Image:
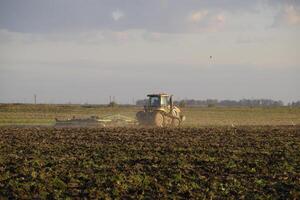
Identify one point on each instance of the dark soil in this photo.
(214, 163)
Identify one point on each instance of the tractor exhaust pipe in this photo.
(171, 103)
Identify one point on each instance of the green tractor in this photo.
(160, 112)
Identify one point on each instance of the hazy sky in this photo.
(86, 50)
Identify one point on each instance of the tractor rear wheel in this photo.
(158, 119)
(175, 122)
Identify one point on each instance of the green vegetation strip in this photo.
(41, 114)
(122, 163)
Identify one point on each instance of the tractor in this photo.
(160, 112)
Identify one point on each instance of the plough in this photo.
(95, 121)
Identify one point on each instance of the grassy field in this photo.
(20, 114)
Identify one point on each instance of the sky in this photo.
(83, 51)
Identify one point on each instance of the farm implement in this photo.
(95, 121)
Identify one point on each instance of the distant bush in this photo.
(90, 106)
(182, 104)
(210, 105)
(112, 104)
(141, 102)
(295, 104)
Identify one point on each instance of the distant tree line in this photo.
(294, 104)
(226, 103)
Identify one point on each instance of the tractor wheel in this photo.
(175, 122)
(158, 119)
(167, 121)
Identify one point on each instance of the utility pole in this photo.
(35, 99)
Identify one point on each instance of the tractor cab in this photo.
(158, 100)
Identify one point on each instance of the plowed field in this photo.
(217, 163)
